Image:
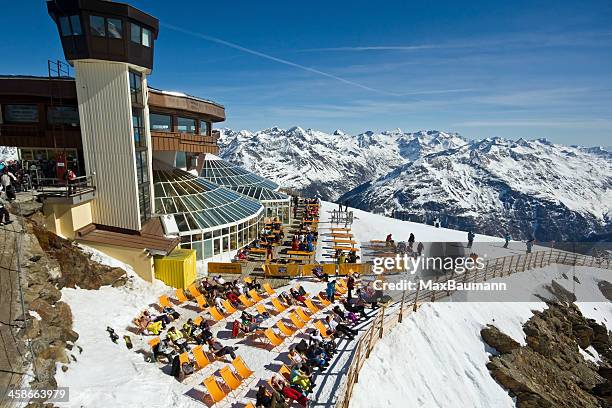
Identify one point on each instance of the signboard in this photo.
(215, 268)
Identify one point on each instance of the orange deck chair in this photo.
(278, 305)
(311, 306)
(180, 295)
(198, 320)
(214, 390)
(324, 301)
(274, 339)
(232, 381)
(164, 301)
(321, 328)
(284, 329)
(183, 358)
(255, 296)
(302, 314)
(201, 302)
(261, 308)
(241, 368)
(296, 321)
(154, 341)
(269, 289)
(193, 289)
(228, 307)
(246, 302)
(200, 357)
(216, 314)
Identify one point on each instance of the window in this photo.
(144, 202)
(146, 37)
(186, 125)
(140, 35)
(97, 26)
(21, 113)
(137, 125)
(204, 128)
(115, 28)
(136, 87)
(160, 123)
(142, 172)
(135, 33)
(70, 25)
(63, 115)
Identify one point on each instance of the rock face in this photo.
(550, 371)
(51, 263)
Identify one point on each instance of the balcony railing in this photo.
(78, 190)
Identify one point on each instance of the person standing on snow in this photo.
(507, 239)
(529, 244)
(420, 248)
(471, 236)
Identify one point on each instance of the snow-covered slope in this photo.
(552, 191)
(328, 165)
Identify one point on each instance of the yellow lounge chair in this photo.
(180, 295)
(214, 390)
(322, 329)
(216, 314)
(198, 320)
(311, 306)
(296, 321)
(230, 378)
(302, 314)
(183, 358)
(255, 296)
(200, 357)
(154, 341)
(194, 291)
(201, 302)
(228, 307)
(241, 368)
(274, 339)
(164, 301)
(243, 299)
(269, 289)
(278, 305)
(284, 329)
(261, 308)
(324, 301)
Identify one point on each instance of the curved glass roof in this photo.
(229, 175)
(196, 203)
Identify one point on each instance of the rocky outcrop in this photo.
(550, 370)
(51, 263)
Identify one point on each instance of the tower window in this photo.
(136, 87)
(70, 25)
(140, 35)
(115, 28)
(97, 26)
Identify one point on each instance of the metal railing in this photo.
(53, 187)
(494, 268)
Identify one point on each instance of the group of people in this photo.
(405, 247)
(311, 356)
(303, 242)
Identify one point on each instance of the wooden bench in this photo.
(339, 235)
(310, 221)
(345, 248)
(257, 251)
(302, 254)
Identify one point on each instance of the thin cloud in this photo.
(276, 59)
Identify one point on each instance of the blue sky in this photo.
(481, 68)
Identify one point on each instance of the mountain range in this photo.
(531, 188)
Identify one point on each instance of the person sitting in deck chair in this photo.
(276, 399)
(300, 379)
(169, 311)
(178, 339)
(248, 324)
(316, 357)
(219, 304)
(329, 346)
(353, 306)
(163, 349)
(219, 350)
(297, 295)
(155, 328)
(330, 290)
(289, 392)
(319, 274)
(352, 317)
(336, 328)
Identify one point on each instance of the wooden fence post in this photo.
(382, 323)
(485, 270)
(371, 339)
(416, 297)
(401, 311)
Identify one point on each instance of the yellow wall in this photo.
(64, 220)
(138, 259)
(178, 269)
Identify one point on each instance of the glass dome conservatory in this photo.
(226, 174)
(209, 218)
